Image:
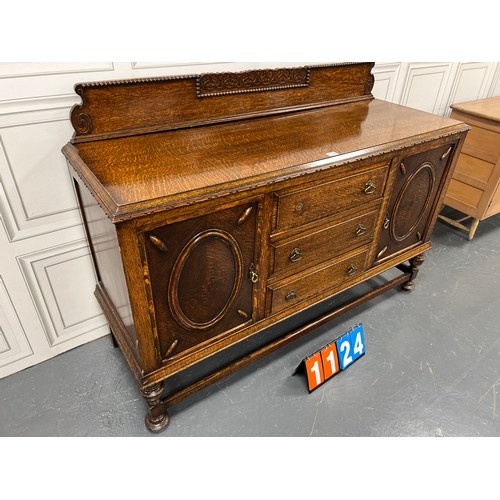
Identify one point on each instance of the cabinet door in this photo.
(201, 274)
(413, 201)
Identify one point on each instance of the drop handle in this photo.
(254, 277)
(295, 255)
(360, 229)
(291, 295)
(386, 222)
(447, 153)
(351, 269)
(370, 187)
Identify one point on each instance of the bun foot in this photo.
(415, 263)
(408, 286)
(157, 417)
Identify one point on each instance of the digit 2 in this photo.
(344, 348)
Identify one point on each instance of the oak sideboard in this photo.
(219, 205)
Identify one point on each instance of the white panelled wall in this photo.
(46, 279)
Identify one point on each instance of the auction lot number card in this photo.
(333, 357)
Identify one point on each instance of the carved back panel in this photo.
(130, 107)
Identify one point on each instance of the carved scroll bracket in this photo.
(81, 121)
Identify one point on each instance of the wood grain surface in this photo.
(153, 171)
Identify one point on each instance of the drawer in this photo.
(473, 170)
(483, 144)
(323, 244)
(292, 292)
(301, 207)
(463, 193)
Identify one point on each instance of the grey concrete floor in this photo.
(432, 368)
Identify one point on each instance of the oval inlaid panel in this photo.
(205, 279)
(412, 202)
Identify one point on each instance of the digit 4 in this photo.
(357, 340)
(350, 347)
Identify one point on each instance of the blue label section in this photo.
(357, 342)
(350, 346)
(344, 351)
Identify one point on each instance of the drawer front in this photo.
(483, 144)
(475, 171)
(323, 244)
(301, 207)
(465, 194)
(294, 291)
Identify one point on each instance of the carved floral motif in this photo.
(216, 84)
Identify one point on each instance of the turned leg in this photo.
(415, 263)
(157, 417)
(473, 227)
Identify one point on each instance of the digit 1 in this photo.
(330, 360)
(315, 369)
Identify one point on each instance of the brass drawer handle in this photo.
(370, 187)
(351, 270)
(360, 229)
(295, 255)
(386, 222)
(254, 277)
(299, 206)
(291, 295)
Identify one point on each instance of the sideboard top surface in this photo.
(143, 173)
